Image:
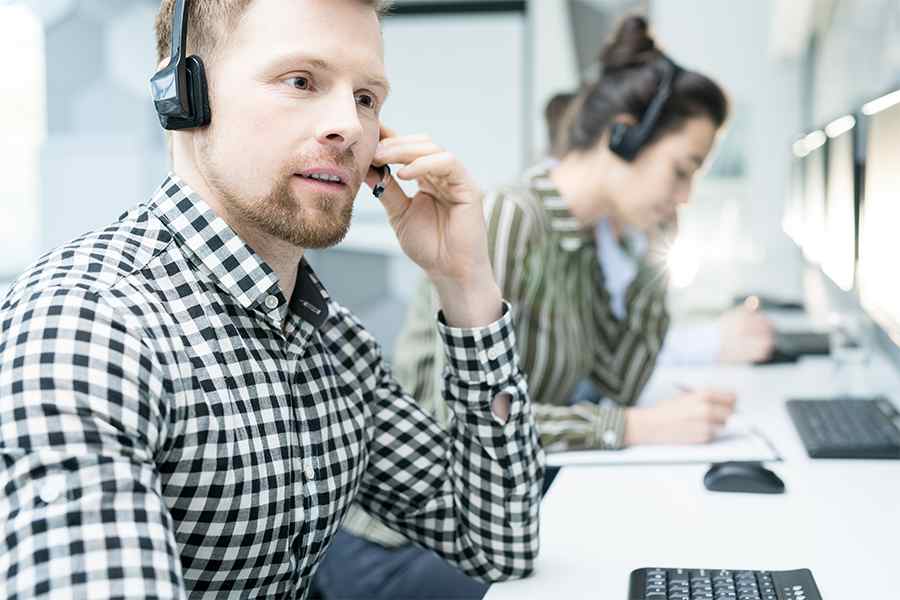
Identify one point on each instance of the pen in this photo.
(687, 389)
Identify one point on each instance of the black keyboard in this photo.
(778, 357)
(803, 343)
(716, 584)
(847, 427)
(791, 346)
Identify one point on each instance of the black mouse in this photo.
(749, 477)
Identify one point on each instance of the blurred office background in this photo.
(74, 106)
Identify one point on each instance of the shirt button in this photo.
(53, 488)
(309, 471)
(493, 353)
(271, 302)
(609, 438)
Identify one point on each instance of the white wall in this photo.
(22, 130)
(554, 67)
(460, 80)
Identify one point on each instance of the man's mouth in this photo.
(324, 179)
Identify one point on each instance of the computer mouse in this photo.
(748, 477)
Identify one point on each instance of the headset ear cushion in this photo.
(620, 140)
(199, 91)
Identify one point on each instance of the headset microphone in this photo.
(379, 188)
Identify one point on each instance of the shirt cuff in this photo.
(482, 356)
(609, 428)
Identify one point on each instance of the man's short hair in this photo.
(210, 22)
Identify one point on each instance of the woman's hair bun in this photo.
(631, 46)
(631, 71)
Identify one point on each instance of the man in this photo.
(183, 408)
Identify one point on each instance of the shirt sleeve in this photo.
(418, 360)
(515, 231)
(692, 345)
(581, 427)
(80, 421)
(470, 492)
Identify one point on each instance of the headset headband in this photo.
(628, 140)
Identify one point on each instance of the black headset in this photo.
(627, 140)
(180, 93)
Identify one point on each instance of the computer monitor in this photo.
(879, 227)
(839, 253)
(814, 197)
(792, 220)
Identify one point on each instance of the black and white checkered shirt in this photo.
(172, 425)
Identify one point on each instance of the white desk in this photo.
(841, 519)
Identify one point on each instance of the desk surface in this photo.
(837, 518)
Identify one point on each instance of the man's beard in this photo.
(314, 221)
(318, 221)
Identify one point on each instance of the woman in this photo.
(568, 329)
(740, 335)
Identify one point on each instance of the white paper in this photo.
(736, 442)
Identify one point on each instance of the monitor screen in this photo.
(814, 204)
(839, 254)
(879, 241)
(792, 221)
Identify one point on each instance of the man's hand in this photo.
(689, 418)
(442, 227)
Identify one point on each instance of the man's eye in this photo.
(366, 100)
(300, 83)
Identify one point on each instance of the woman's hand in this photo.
(747, 336)
(690, 418)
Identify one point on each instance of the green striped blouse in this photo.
(547, 266)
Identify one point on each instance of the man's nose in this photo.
(340, 126)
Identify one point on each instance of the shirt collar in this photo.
(572, 234)
(310, 300)
(619, 262)
(234, 267)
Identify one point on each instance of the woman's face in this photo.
(649, 190)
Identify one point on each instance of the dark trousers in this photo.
(357, 569)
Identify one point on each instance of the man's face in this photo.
(296, 93)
